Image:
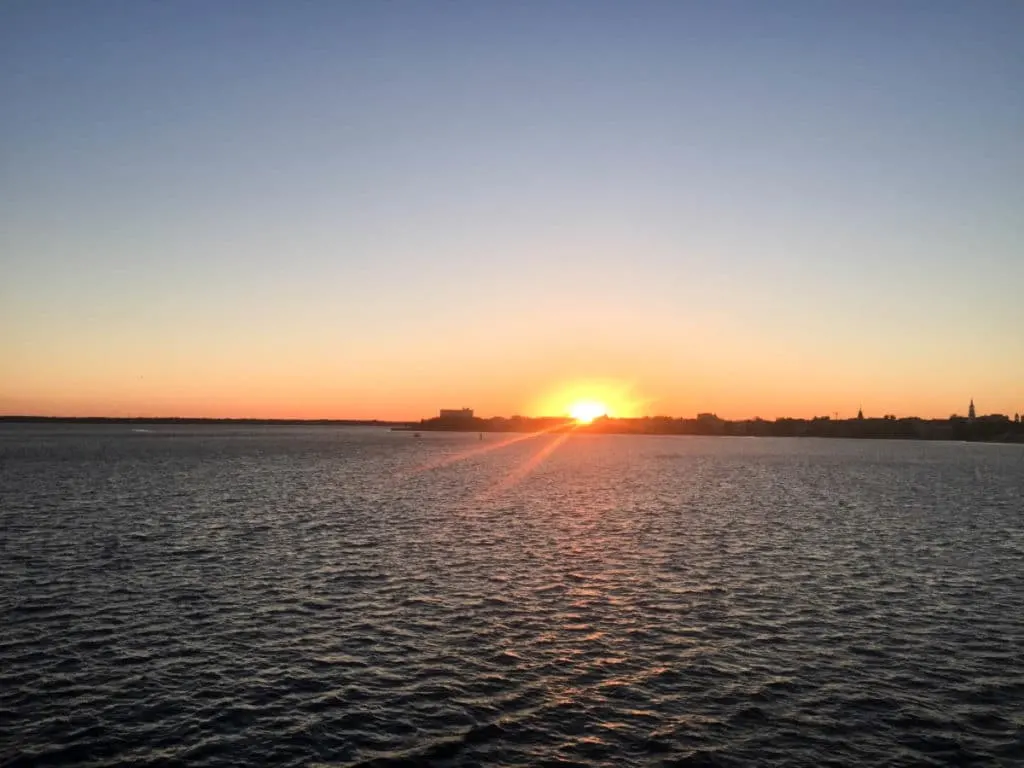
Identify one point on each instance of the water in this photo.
(291, 596)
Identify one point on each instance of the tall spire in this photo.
(970, 411)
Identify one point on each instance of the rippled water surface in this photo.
(295, 596)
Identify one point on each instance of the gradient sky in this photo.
(375, 209)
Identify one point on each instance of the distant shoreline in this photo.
(171, 420)
(986, 429)
(1002, 440)
(994, 428)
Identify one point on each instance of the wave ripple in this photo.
(216, 596)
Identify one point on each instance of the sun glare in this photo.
(586, 411)
(587, 399)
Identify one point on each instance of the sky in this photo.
(379, 209)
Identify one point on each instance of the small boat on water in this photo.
(417, 435)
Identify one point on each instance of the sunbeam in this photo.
(479, 450)
(527, 466)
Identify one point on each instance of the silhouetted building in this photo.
(860, 414)
(459, 414)
(970, 411)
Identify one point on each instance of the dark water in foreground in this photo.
(289, 596)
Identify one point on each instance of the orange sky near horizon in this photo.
(300, 355)
(308, 357)
(654, 358)
(264, 388)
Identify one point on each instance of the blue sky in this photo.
(822, 200)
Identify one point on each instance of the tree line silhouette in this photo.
(991, 428)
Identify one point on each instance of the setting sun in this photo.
(587, 399)
(586, 411)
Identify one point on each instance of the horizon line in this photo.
(377, 420)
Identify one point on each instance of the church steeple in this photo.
(970, 411)
(860, 414)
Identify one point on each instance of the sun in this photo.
(585, 411)
(586, 400)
